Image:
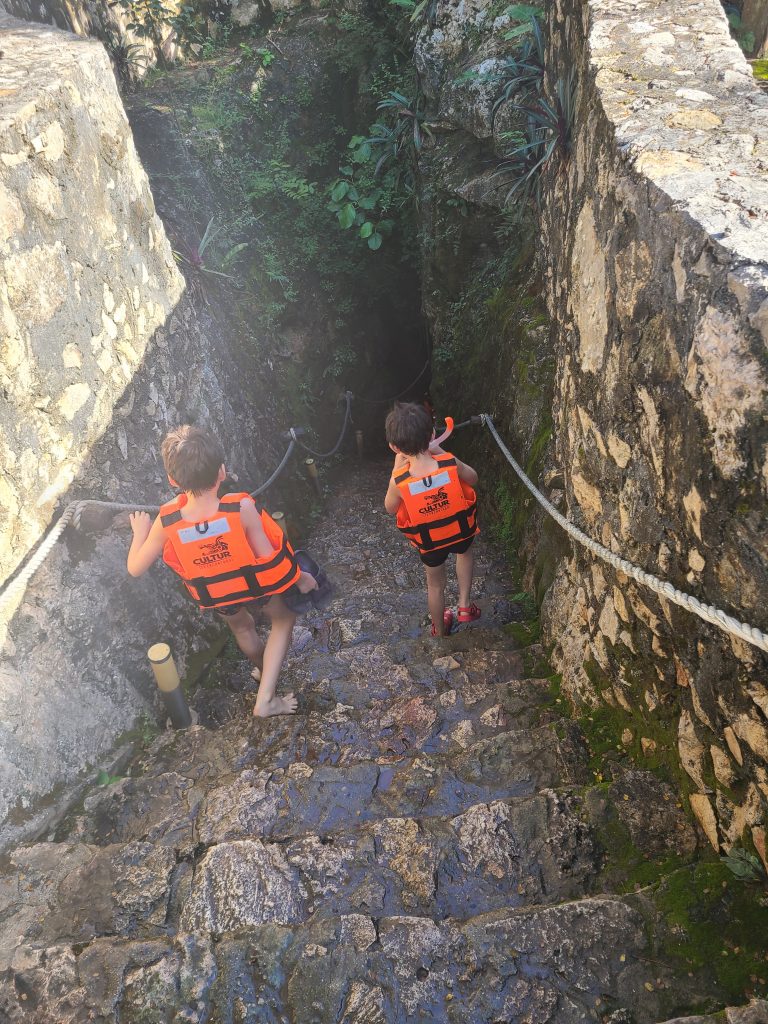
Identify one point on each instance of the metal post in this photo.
(169, 684)
(359, 439)
(314, 475)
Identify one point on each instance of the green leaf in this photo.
(368, 202)
(366, 230)
(363, 153)
(518, 30)
(340, 189)
(374, 242)
(522, 12)
(347, 215)
(102, 779)
(346, 170)
(353, 195)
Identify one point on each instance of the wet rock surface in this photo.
(420, 843)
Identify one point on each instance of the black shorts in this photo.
(436, 558)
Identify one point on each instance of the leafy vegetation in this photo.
(382, 178)
(128, 59)
(541, 144)
(743, 36)
(523, 72)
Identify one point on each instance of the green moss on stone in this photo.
(716, 924)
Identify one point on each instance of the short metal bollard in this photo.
(169, 684)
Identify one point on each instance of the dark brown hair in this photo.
(409, 428)
(192, 458)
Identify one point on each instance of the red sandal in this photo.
(470, 614)
(447, 623)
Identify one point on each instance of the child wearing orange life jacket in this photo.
(229, 554)
(432, 494)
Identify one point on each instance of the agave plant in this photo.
(128, 59)
(523, 72)
(545, 141)
(194, 255)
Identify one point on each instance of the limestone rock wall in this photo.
(656, 251)
(102, 351)
(88, 274)
(102, 20)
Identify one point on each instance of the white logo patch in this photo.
(429, 483)
(203, 531)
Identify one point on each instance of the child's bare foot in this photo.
(276, 706)
(306, 583)
(256, 673)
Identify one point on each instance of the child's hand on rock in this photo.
(306, 583)
(141, 524)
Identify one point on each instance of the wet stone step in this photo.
(582, 960)
(236, 869)
(507, 853)
(285, 802)
(182, 767)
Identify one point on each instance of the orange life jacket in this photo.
(436, 510)
(215, 560)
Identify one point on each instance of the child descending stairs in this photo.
(423, 842)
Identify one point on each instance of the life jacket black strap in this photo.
(421, 535)
(200, 586)
(171, 517)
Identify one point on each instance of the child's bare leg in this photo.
(465, 571)
(436, 595)
(248, 640)
(278, 642)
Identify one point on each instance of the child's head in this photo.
(409, 428)
(193, 459)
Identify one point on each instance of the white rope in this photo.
(708, 612)
(18, 584)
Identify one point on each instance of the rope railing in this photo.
(72, 513)
(708, 612)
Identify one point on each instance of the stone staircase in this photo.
(423, 842)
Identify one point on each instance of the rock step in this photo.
(281, 802)
(589, 959)
(229, 866)
(504, 854)
(755, 1012)
(451, 716)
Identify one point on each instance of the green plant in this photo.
(383, 175)
(195, 255)
(148, 19)
(744, 865)
(744, 37)
(524, 14)
(128, 59)
(543, 143)
(420, 12)
(523, 72)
